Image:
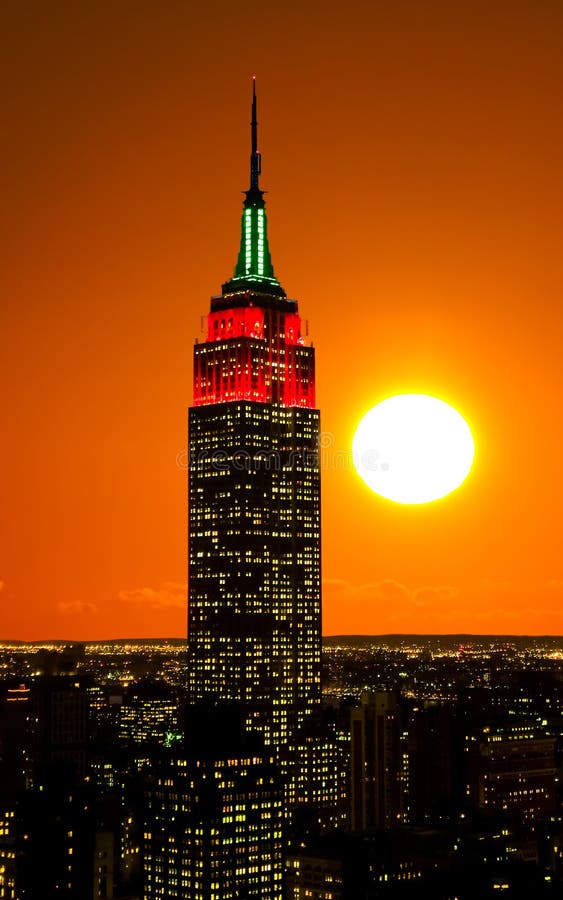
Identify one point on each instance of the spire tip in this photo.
(255, 155)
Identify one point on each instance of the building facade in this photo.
(512, 769)
(214, 821)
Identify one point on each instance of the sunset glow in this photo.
(411, 159)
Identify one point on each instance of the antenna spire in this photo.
(255, 161)
(254, 264)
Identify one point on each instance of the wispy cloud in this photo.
(484, 605)
(383, 589)
(77, 608)
(169, 594)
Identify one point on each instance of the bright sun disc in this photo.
(413, 448)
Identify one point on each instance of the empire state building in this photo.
(254, 620)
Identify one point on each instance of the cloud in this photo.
(365, 608)
(169, 594)
(478, 606)
(443, 594)
(387, 588)
(77, 608)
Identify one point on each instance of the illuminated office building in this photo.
(149, 713)
(512, 769)
(214, 818)
(322, 777)
(254, 624)
(8, 851)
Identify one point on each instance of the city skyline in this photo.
(414, 195)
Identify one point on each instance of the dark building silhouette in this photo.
(52, 812)
(432, 763)
(59, 726)
(464, 859)
(376, 793)
(14, 774)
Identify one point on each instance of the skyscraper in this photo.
(254, 622)
(376, 794)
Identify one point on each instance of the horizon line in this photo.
(339, 636)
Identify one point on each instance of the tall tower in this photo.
(254, 621)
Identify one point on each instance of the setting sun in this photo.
(413, 448)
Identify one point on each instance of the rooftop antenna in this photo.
(255, 161)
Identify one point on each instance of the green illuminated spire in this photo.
(254, 263)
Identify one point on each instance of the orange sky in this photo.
(412, 154)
